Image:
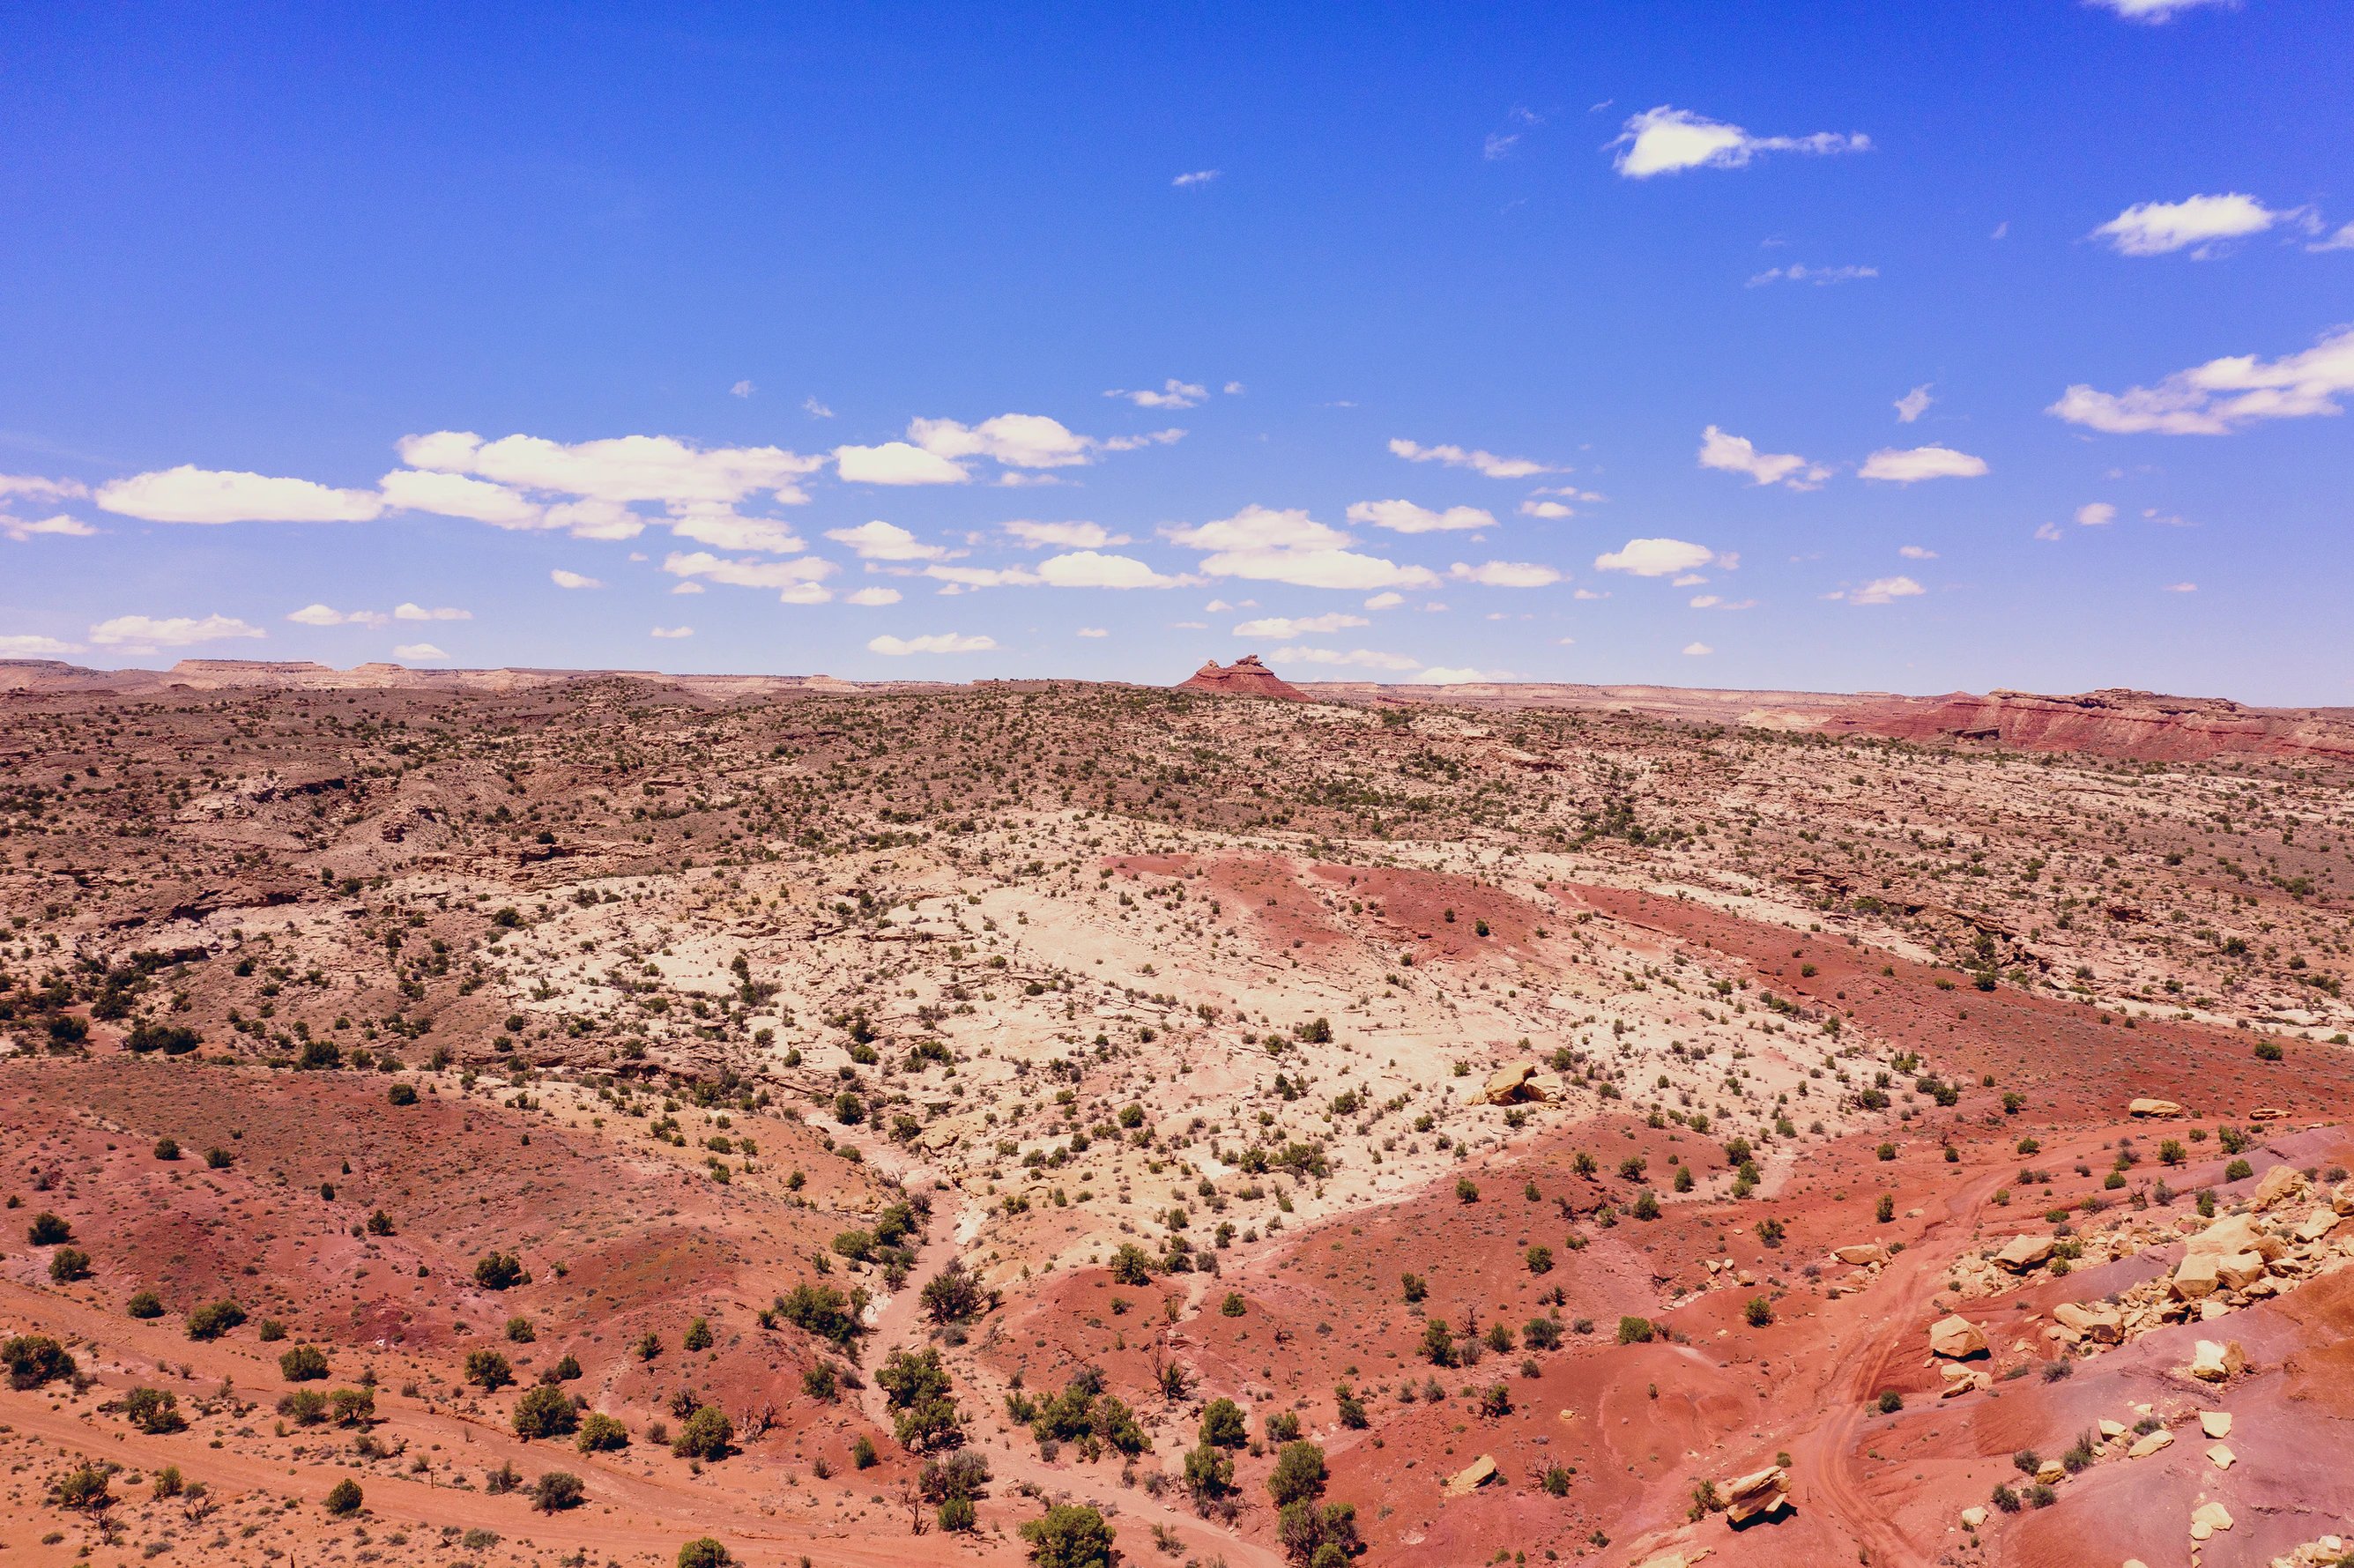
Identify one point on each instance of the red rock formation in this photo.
(1245, 677)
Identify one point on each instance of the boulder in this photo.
(2221, 1456)
(1860, 1254)
(2020, 1254)
(2194, 1278)
(2341, 1198)
(2214, 1360)
(2052, 1472)
(1472, 1477)
(1681, 1557)
(2101, 1323)
(1960, 1381)
(2316, 1225)
(2150, 1442)
(2111, 1429)
(2215, 1423)
(2159, 1108)
(2208, 1519)
(1756, 1496)
(2278, 1185)
(2268, 1113)
(1973, 1517)
(1507, 1086)
(2233, 1232)
(1957, 1338)
(2239, 1270)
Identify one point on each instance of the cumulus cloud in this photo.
(42, 489)
(1173, 394)
(2093, 513)
(798, 581)
(2182, 588)
(28, 645)
(2152, 11)
(895, 462)
(1264, 545)
(1908, 465)
(174, 631)
(2222, 395)
(1883, 590)
(1093, 632)
(1798, 272)
(931, 642)
(2200, 224)
(815, 410)
(872, 596)
(563, 579)
(1547, 509)
(1257, 528)
(1406, 517)
(1479, 461)
(1198, 177)
(742, 389)
(1698, 649)
(1385, 601)
(1917, 553)
(406, 612)
(1287, 627)
(1737, 454)
(1092, 568)
(1913, 404)
(2341, 240)
(325, 615)
(22, 529)
(459, 495)
(1357, 658)
(619, 469)
(724, 528)
(881, 541)
(419, 653)
(191, 494)
(1017, 440)
(1655, 557)
(672, 632)
(959, 578)
(1504, 573)
(1667, 140)
(1068, 535)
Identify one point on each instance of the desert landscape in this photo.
(530, 1116)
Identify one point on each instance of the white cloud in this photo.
(1545, 509)
(419, 612)
(799, 579)
(21, 530)
(1913, 404)
(176, 631)
(1655, 557)
(1906, 466)
(1385, 601)
(2093, 513)
(324, 615)
(1257, 528)
(25, 645)
(742, 389)
(2182, 588)
(1091, 568)
(1198, 177)
(881, 541)
(459, 495)
(1689, 579)
(672, 631)
(570, 579)
(1886, 590)
(2341, 240)
(721, 527)
(686, 587)
(590, 518)
(2152, 11)
(1289, 547)
(1717, 601)
(2200, 224)
(1798, 272)
(419, 653)
(1285, 626)
(1480, 462)
(1698, 649)
(1232, 389)
(1173, 394)
(1505, 574)
(895, 462)
(1406, 517)
(933, 643)
(189, 494)
(872, 596)
(1917, 553)
(1667, 139)
(1737, 454)
(2049, 533)
(621, 469)
(1018, 440)
(2219, 396)
(1356, 658)
(1068, 535)
(47, 489)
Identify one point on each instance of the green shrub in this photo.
(33, 1359)
(343, 1499)
(545, 1411)
(558, 1490)
(704, 1552)
(303, 1363)
(49, 1230)
(488, 1369)
(602, 1434)
(1069, 1535)
(705, 1435)
(69, 1264)
(145, 1304)
(215, 1318)
(153, 1410)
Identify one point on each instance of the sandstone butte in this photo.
(1245, 677)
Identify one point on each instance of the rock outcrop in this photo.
(1245, 677)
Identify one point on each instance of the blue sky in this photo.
(1834, 347)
